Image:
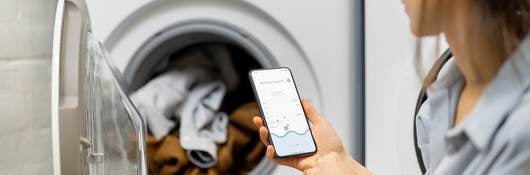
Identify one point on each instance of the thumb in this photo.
(310, 111)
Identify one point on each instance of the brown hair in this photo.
(506, 22)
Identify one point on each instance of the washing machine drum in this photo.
(171, 70)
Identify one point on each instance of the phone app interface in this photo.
(283, 112)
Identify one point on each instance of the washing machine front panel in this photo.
(238, 22)
(316, 47)
(329, 34)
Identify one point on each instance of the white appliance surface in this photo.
(392, 86)
(322, 29)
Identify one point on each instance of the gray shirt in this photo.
(495, 136)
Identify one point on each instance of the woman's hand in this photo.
(334, 163)
(329, 147)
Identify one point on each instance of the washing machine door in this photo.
(63, 109)
(95, 127)
(113, 138)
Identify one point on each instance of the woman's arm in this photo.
(330, 158)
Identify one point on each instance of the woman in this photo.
(477, 117)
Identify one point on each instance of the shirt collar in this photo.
(499, 99)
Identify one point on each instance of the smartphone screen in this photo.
(282, 111)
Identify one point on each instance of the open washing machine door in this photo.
(64, 109)
(95, 127)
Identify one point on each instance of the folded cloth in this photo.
(201, 127)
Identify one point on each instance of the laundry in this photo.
(243, 139)
(238, 155)
(214, 58)
(253, 157)
(166, 156)
(158, 100)
(230, 155)
(201, 126)
(242, 149)
(242, 116)
(241, 152)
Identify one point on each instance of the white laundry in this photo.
(190, 94)
(160, 97)
(157, 100)
(201, 125)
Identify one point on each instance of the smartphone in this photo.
(282, 112)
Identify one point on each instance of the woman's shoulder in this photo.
(510, 150)
(516, 128)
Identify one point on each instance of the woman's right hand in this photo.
(327, 142)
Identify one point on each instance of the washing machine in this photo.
(64, 109)
(316, 39)
(70, 92)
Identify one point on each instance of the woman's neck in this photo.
(476, 53)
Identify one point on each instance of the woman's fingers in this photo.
(264, 135)
(270, 152)
(257, 121)
(312, 114)
(299, 163)
(263, 132)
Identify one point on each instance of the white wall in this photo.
(392, 86)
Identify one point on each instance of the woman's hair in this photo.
(506, 22)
